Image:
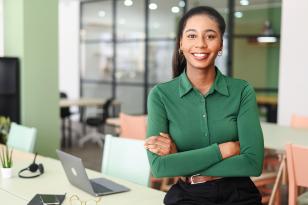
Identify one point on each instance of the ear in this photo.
(222, 44)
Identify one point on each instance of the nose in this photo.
(201, 43)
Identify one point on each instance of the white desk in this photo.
(8, 198)
(277, 136)
(54, 181)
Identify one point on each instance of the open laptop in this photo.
(78, 177)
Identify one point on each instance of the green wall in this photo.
(31, 33)
(257, 63)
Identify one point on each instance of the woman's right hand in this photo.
(161, 145)
(229, 149)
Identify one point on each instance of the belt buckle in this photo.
(192, 179)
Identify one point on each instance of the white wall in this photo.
(293, 73)
(69, 47)
(1, 29)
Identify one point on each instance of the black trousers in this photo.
(224, 191)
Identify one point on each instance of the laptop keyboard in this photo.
(98, 188)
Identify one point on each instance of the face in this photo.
(200, 42)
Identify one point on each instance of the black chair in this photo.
(98, 123)
(65, 114)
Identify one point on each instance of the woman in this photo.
(202, 125)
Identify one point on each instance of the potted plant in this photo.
(6, 162)
(5, 123)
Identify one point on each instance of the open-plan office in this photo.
(106, 55)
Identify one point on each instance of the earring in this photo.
(180, 51)
(220, 53)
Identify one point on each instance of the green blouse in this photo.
(198, 123)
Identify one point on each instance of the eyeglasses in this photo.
(74, 200)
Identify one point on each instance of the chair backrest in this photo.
(21, 137)
(297, 169)
(299, 121)
(133, 126)
(126, 159)
(64, 111)
(106, 108)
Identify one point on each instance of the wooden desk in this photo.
(113, 121)
(82, 102)
(270, 103)
(54, 181)
(276, 137)
(267, 100)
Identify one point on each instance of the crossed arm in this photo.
(242, 158)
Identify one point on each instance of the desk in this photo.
(276, 137)
(270, 103)
(54, 181)
(113, 121)
(82, 102)
(8, 198)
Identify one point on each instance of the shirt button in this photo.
(203, 115)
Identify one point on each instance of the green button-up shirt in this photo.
(198, 123)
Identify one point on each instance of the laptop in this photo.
(78, 177)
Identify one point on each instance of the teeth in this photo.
(200, 54)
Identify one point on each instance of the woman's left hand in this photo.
(161, 145)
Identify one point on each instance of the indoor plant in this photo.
(6, 162)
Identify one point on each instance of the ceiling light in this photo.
(266, 39)
(244, 2)
(182, 3)
(238, 14)
(152, 6)
(101, 13)
(175, 9)
(128, 2)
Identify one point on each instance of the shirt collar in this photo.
(220, 84)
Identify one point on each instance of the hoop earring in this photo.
(180, 51)
(220, 53)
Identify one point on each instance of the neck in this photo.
(202, 79)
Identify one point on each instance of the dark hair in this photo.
(179, 61)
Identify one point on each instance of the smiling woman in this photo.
(203, 126)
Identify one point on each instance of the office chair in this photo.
(65, 115)
(98, 124)
(21, 137)
(298, 121)
(133, 126)
(127, 159)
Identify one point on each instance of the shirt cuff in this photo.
(216, 148)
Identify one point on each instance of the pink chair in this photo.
(298, 172)
(299, 121)
(133, 126)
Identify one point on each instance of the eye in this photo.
(191, 36)
(210, 36)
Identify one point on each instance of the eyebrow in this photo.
(194, 30)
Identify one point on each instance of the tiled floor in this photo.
(91, 153)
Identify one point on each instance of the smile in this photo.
(200, 56)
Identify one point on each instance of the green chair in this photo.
(127, 159)
(21, 137)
